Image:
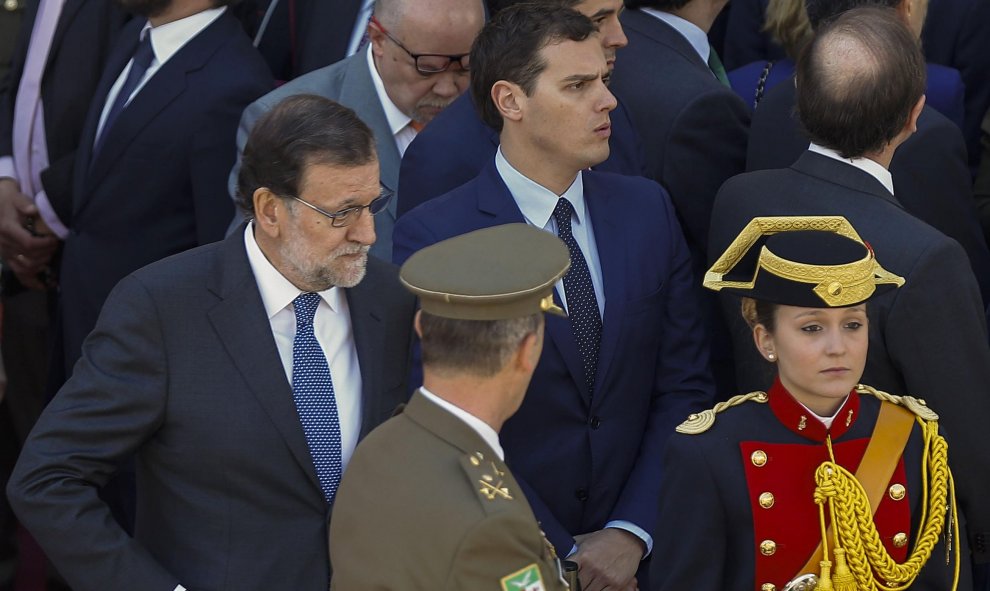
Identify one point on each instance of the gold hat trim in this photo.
(836, 285)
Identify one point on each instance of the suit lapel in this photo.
(116, 61)
(613, 258)
(242, 324)
(359, 92)
(368, 325)
(495, 200)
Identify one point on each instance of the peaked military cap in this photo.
(496, 273)
(812, 262)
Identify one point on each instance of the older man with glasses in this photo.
(240, 374)
(415, 64)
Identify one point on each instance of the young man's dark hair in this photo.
(859, 80)
(301, 130)
(509, 46)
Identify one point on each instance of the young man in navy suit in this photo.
(456, 145)
(631, 358)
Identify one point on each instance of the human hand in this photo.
(26, 243)
(608, 559)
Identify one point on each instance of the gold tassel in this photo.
(825, 580)
(843, 579)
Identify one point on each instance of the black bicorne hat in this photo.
(812, 262)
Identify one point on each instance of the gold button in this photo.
(896, 491)
(768, 587)
(10, 5)
(759, 458)
(834, 288)
(900, 540)
(766, 500)
(768, 547)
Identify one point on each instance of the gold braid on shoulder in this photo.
(700, 422)
(855, 536)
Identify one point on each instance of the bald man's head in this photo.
(859, 80)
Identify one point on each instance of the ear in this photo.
(377, 39)
(765, 343)
(509, 100)
(268, 208)
(915, 113)
(528, 353)
(416, 325)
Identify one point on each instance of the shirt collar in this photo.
(397, 120)
(483, 429)
(169, 38)
(535, 201)
(277, 292)
(871, 167)
(798, 419)
(690, 31)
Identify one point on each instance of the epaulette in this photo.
(489, 477)
(916, 405)
(700, 422)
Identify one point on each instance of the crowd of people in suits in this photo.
(201, 322)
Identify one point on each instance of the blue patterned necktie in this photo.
(582, 304)
(143, 56)
(312, 389)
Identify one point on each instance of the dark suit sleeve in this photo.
(972, 59)
(690, 548)
(114, 402)
(707, 145)
(212, 155)
(683, 382)
(950, 334)
(981, 189)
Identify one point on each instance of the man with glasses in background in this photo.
(416, 64)
(241, 376)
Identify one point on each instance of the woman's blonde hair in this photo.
(787, 22)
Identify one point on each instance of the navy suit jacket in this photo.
(182, 371)
(457, 145)
(931, 179)
(694, 129)
(158, 185)
(591, 457)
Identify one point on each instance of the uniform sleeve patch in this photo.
(527, 579)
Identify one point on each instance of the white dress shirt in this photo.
(483, 429)
(870, 167)
(166, 40)
(398, 122)
(537, 203)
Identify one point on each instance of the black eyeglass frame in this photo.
(424, 71)
(343, 217)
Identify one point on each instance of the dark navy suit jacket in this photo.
(158, 185)
(592, 457)
(931, 179)
(457, 145)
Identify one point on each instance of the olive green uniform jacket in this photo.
(426, 504)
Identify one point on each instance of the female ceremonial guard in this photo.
(819, 483)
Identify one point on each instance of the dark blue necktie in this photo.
(582, 304)
(312, 389)
(143, 57)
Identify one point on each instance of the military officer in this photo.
(820, 482)
(427, 501)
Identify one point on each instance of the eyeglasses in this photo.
(346, 216)
(428, 63)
